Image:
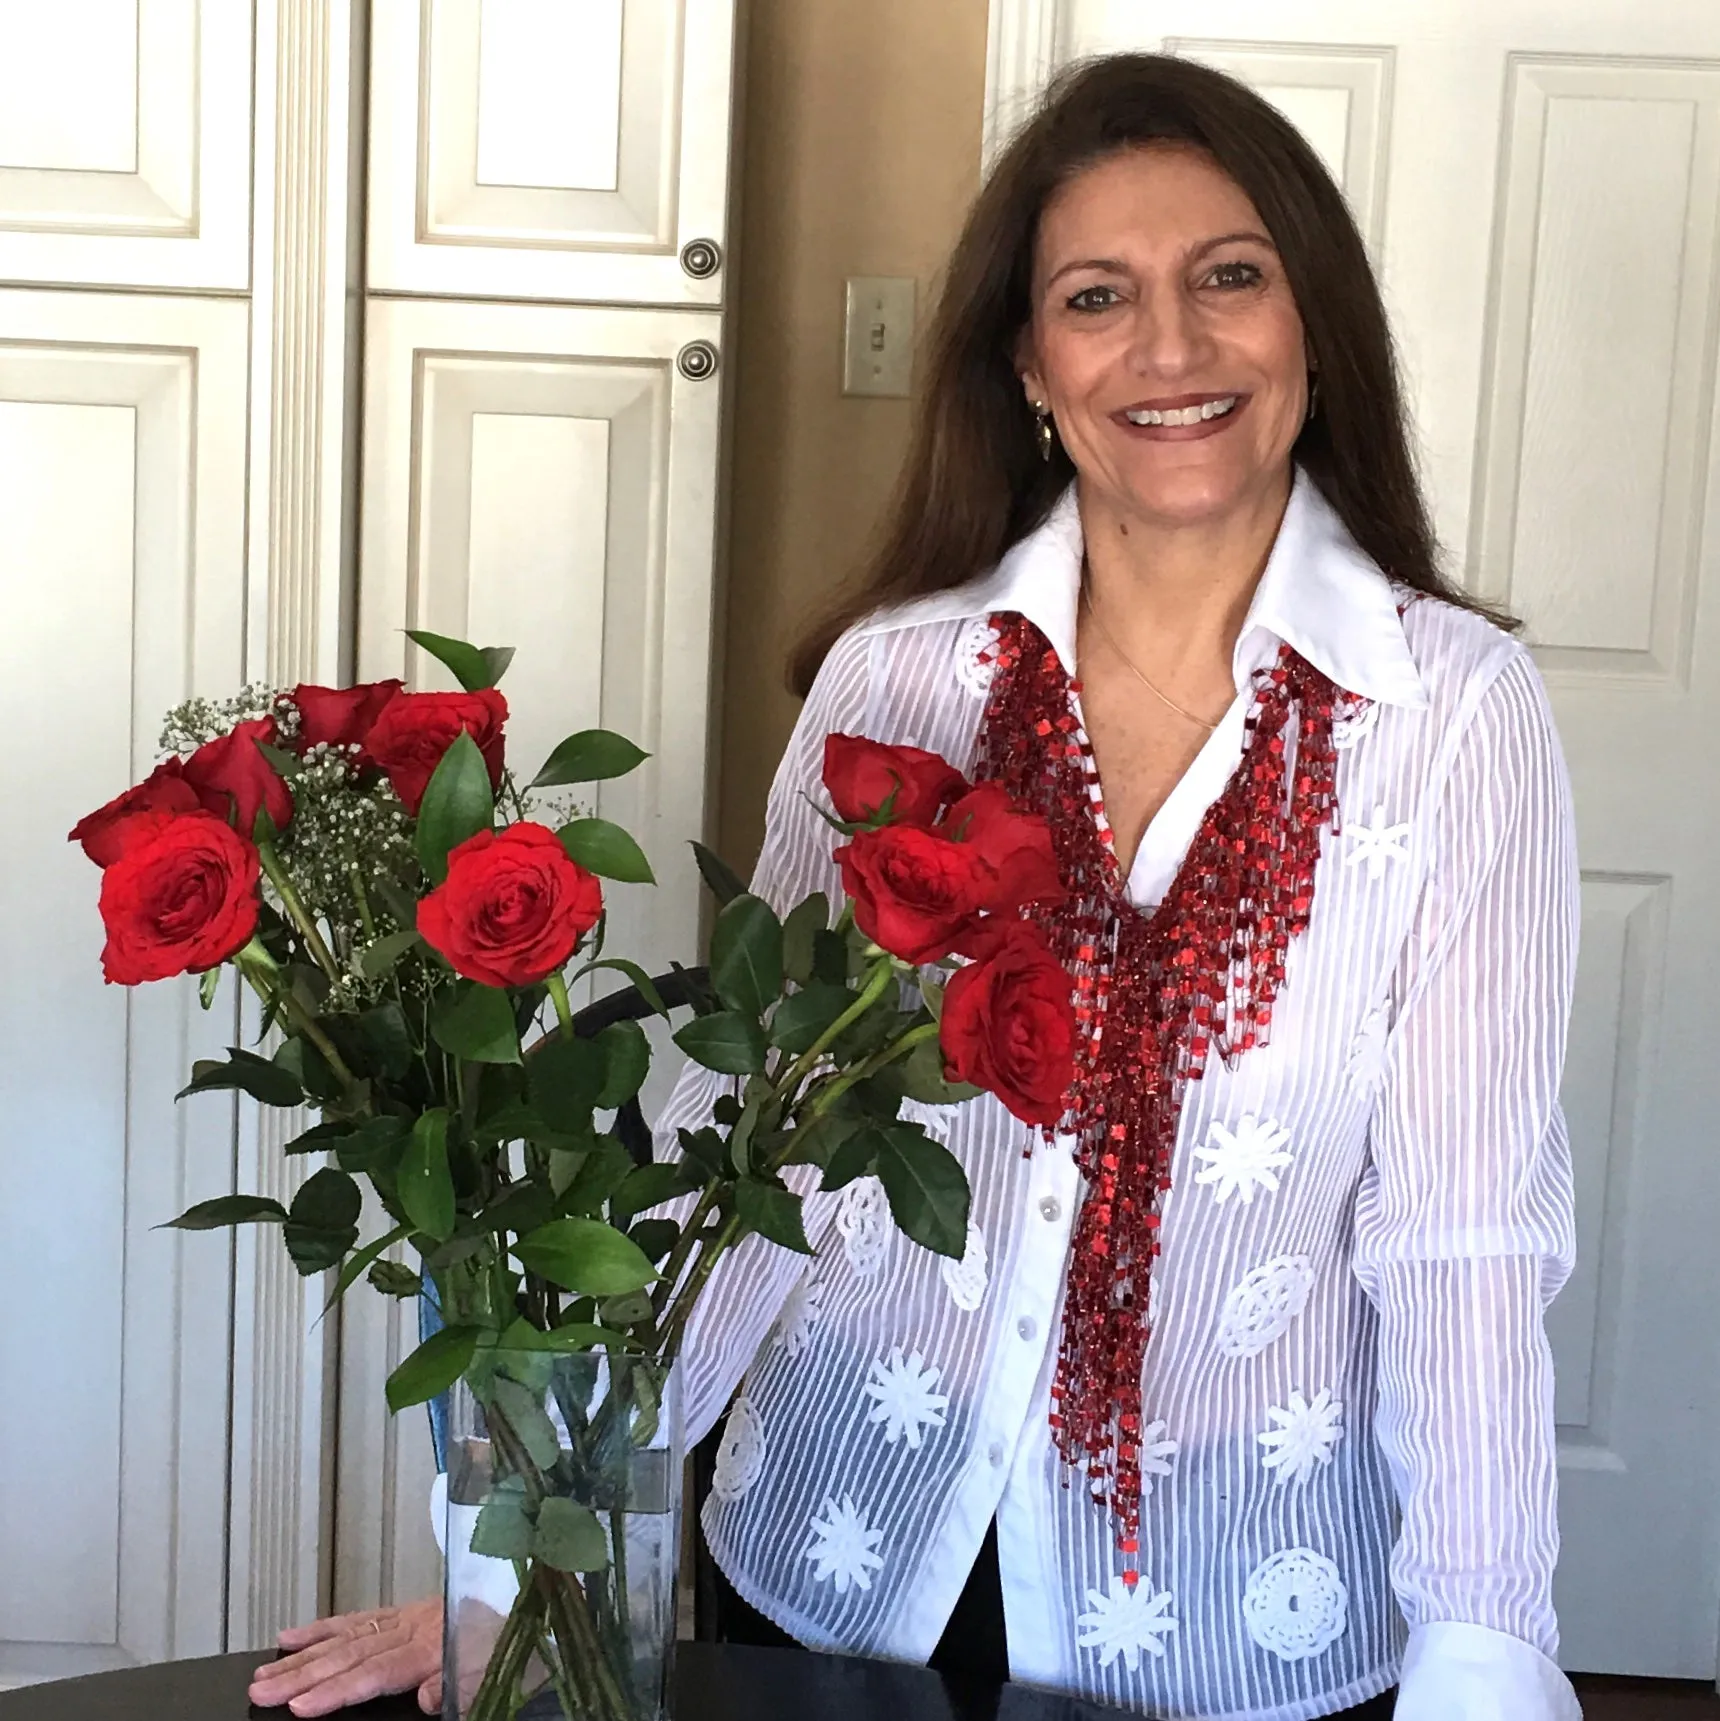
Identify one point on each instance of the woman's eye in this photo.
(1236, 275)
(1094, 299)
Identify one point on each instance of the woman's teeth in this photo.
(1184, 414)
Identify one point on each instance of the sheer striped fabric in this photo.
(1348, 1380)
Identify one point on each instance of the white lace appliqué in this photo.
(1347, 731)
(966, 1279)
(1295, 1604)
(1306, 1435)
(1240, 1160)
(934, 1120)
(908, 1401)
(1367, 1066)
(1155, 1454)
(976, 648)
(863, 1221)
(1262, 1307)
(1125, 1621)
(800, 1314)
(1373, 845)
(842, 1546)
(740, 1452)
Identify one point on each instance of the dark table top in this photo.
(713, 1682)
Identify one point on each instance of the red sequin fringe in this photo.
(1156, 995)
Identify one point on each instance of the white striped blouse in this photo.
(1348, 1383)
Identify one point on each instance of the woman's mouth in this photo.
(1184, 419)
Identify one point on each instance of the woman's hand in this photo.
(354, 1657)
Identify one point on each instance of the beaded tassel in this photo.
(1155, 996)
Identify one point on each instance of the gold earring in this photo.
(1042, 428)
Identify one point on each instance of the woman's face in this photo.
(1165, 340)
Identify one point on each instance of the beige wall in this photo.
(860, 153)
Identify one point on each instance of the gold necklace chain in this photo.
(1135, 669)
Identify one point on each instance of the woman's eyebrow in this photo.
(1112, 266)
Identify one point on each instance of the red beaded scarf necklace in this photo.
(1155, 994)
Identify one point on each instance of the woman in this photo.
(1162, 444)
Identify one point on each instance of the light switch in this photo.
(878, 356)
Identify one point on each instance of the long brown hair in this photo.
(974, 482)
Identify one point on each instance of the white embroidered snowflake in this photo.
(1367, 1066)
(1124, 1622)
(907, 1395)
(740, 1452)
(1156, 1453)
(800, 1314)
(1262, 1306)
(975, 646)
(1373, 845)
(1306, 1436)
(966, 1279)
(1295, 1604)
(1347, 731)
(863, 1221)
(842, 1546)
(1240, 1160)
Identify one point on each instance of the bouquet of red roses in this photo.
(369, 865)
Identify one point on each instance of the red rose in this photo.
(136, 815)
(184, 901)
(416, 729)
(340, 716)
(1008, 1024)
(862, 775)
(1015, 845)
(915, 892)
(513, 907)
(232, 777)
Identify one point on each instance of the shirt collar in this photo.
(1319, 594)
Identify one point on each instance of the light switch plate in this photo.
(878, 349)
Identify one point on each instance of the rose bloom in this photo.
(136, 815)
(1015, 845)
(180, 902)
(915, 892)
(340, 716)
(416, 729)
(513, 907)
(862, 775)
(233, 779)
(1008, 1022)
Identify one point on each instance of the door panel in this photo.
(488, 180)
(125, 142)
(1539, 186)
(122, 469)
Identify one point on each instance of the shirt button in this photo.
(1027, 1326)
(1051, 1208)
(995, 1453)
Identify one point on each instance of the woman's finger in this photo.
(400, 1667)
(281, 1681)
(340, 1625)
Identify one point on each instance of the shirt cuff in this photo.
(489, 1581)
(1455, 1671)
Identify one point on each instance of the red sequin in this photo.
(1156, 994)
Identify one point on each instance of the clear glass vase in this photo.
(563, 1539)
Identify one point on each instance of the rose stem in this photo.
(302, 1020)
(301, 918)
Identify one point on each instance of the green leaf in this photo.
(647, 989)
(922, 1075)
(607, 850)
(773, 1213)
(424, 1182)
(387, 1039)
(433, 1367)
(378, 959)
(308, 1067)
(802, 1016)
(627, 1060)
(582, 1336)
(208, 984)
(589, 757)
(625, 1310)
(804, 921)
(656, 1237)
(323, 1222)
(503, 1531)
(457, 805)
(830, 958)
(261, 1078)
(526, 1416)
(474, 667)
(374, 1145)
(587, 1257)
(724, 883)
(520, 1208)
(569, 1537)
(321, 1137)
(600, 1173)
(746, 955)
(565, 1080)
(814, 1141)
(228, 1210)
(478, 1026)
(855, 1155)
(357, 1262)
(647, 1186)
(731, 1044)
(927, 1188)
(395, 1279)
(706, 1154)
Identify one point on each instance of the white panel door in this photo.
(539, 149)
(1539, 185)
(125, 142)
(122, 507)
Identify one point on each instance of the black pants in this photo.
(971, 1653)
